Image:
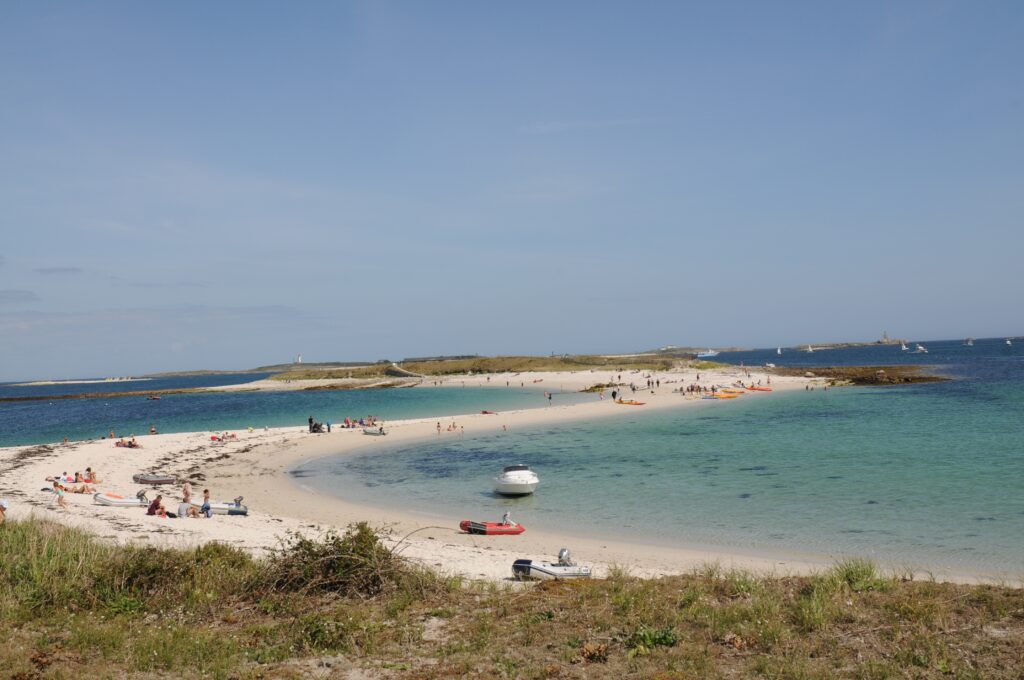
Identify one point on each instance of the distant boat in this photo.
(708, 354)
(969, 342)
(809, 348)
(778, 350)
(1008, 342)
(903, 346)
(920, 349)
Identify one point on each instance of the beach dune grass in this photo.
(73, 604)
(491, 365)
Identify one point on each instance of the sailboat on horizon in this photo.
(903, 346)
(810, 349)
(969, 342)
(778, 350)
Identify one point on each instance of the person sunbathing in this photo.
(91, 476)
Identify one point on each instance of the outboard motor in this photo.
(141, 495)
(238, 501)
(564, 558)
(506, 519)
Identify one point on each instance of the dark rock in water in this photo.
(865, 375)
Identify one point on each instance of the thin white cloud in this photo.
(14, 296)
(58, 270)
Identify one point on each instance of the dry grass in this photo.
(74, 606)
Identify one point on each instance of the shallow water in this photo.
(32, 422)
(927, 474)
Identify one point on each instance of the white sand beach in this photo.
(254, 465)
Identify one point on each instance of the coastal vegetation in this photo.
(488, 365)
(72, 604)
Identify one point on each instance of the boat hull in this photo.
(114, 500)
(224, 508)
(153, 479)
(514, 488)
(545, 571)
(491, 528)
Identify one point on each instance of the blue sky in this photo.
(222, 185)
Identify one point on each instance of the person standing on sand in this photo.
(311, 423)
(59, 490)
(439, 427)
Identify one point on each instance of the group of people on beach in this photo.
(185, 508)
(348, 423)
(452, 427)
(77, 483)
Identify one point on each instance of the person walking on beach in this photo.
(439, 427)
(59, 490)
(311, 423)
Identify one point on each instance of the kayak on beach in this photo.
(630, 402)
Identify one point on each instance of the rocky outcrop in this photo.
(864, 375)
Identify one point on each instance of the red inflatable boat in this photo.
(491, 528)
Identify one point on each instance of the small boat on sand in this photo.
(374, 431)
(630, 402)
(564, 568)
(506, 527)
(107, 498)
(760, 389)
(224, 507)
(153, 478)
(516, 480)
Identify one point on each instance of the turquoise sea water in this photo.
(929, 474)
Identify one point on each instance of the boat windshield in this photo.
(515, 468)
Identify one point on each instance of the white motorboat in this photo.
(107, 498)
(564, 568)
(516, 480)
(920, 349)
(903, 346)
(375, 431)
(708, 354)
(224, 507)
(969, 342)
(1008, 343)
